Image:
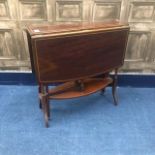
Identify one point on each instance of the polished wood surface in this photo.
(81, 55)
(74, 54)
(70, 90)
(56, 29)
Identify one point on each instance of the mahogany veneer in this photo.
(75, 54)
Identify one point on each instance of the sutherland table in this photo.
(79, 56)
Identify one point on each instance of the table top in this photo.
(45, 29)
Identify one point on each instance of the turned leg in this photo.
(39, 90)
(104, 76)
(48, 107)
(79, 85)
(45, 109)
(45, 104)
(114, 87)
(102, 91)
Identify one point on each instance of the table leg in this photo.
(45, 109)
(39, 90)
(45, 103)
(114, 87)
(104, 76)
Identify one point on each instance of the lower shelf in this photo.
(69, 89)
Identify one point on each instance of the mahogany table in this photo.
(79, 56)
